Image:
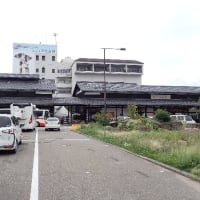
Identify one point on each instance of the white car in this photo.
(52, 123)
(185, 119)
(10, 133)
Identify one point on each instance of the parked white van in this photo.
(24, 112)
(185, 119)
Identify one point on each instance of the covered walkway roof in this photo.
(121, 87)
(42, 90)
(94, 102)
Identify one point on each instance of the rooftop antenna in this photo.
(55, 35)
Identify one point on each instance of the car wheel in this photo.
(58, 129)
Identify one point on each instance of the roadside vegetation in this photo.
(178, 146)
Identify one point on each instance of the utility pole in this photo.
(55, 35)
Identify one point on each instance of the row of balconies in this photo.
(108, 68)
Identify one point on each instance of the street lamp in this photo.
(104, 73)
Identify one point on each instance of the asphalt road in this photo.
(74, 167)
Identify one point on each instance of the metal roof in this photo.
(19, 76)
(108, 61)
(122, 102)
(34, 100)
(10, 83)
(94, 101)
(120, 87)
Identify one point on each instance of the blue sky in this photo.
(165, 35)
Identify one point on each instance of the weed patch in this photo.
(180, 149)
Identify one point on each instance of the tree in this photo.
(132, 111)
(162, 115)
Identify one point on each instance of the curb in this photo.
(178, 171)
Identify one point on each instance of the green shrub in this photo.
(90, 129)
(102, 118)
(121, 125)
(130, 125)
(162, 115)
(141, 123)
(148, 123)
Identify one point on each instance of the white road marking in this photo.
(34, 184)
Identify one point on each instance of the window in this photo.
(64, 80)
(53, 70)
(118, 68)
(68, 80)
(5, 121)
(43, 69)
(180, 118)
(100, 67)
(134, 68)
(64, 70)
(43, 58)
(64, 90)
(37, 70)
(83, 67)
(37, 57)
(53, 58)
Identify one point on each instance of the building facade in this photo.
(63, 78)
(34, 58)
(26, 88)
(90, 69)
(147, 98)
(41, 59)
(81, 84)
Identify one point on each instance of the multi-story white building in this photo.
(63, 78)
(42, 59)
(90, 69)
(34, 58)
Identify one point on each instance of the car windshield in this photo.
(5, 121)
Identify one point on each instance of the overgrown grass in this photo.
(179, 149)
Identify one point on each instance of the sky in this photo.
(163, 34)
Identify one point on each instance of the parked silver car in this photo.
(10, 133)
